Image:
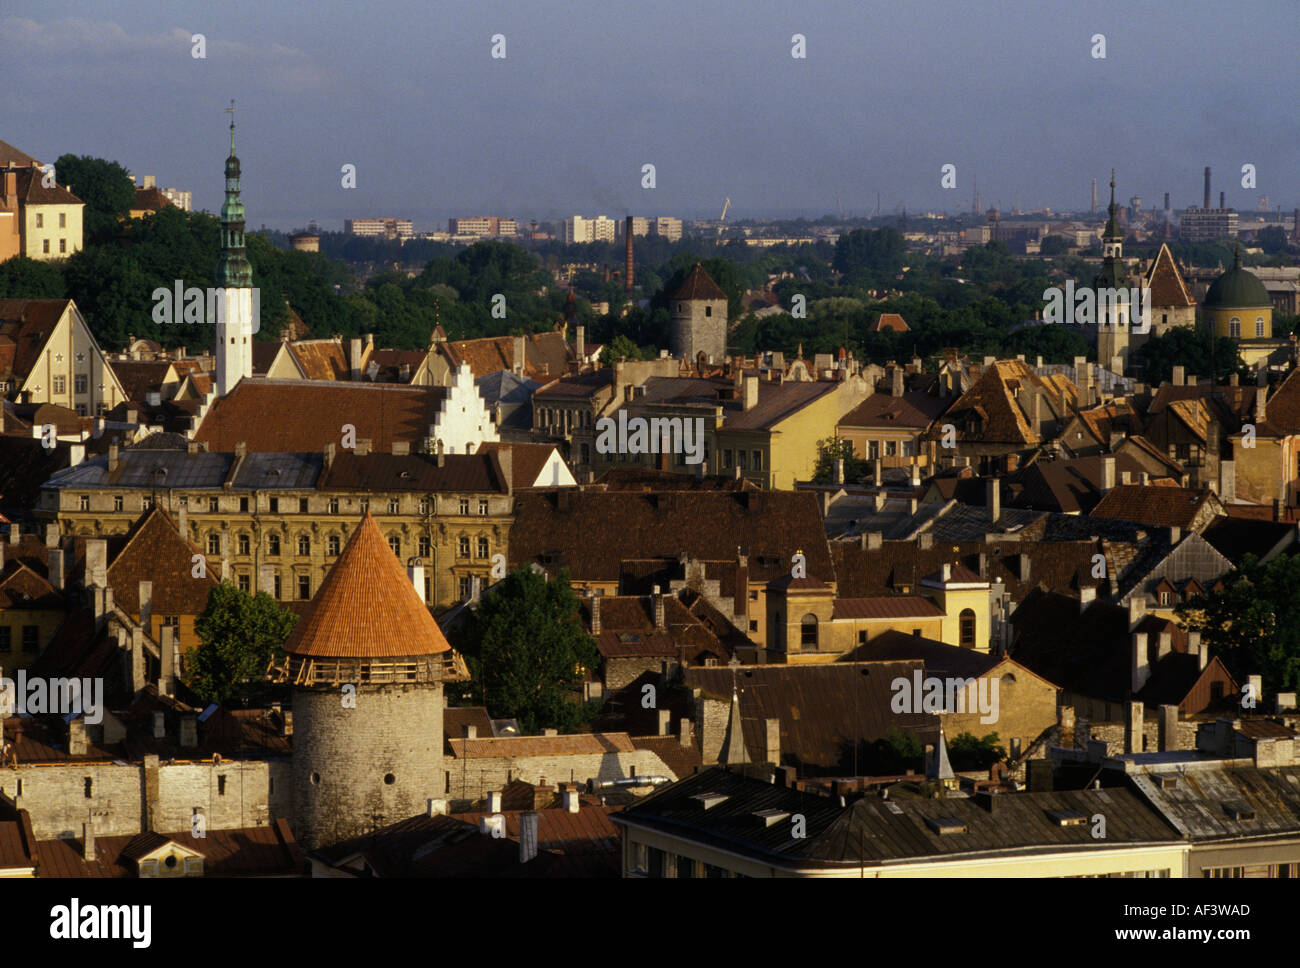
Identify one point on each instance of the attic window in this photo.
(946, 825)
(707, 800)
(1239, 811)
(629, 637)
(893, 807)
(771, 816)
(1068, 818)
(1167, 781)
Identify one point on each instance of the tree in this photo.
(870, 257)
(24, 278)
(838, 448)
(527, 652)
(1272, 239)
(1054, 245)
(105, 186)
(1253, 624)
(239, 634)
(965, 752)
(1199, 350)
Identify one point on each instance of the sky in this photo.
(590, 91)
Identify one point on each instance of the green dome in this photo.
(1237, 289)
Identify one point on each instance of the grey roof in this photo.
(1193, 557)
(1203, 804)
(505, 387)
(177, 468)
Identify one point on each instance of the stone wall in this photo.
(473, 778)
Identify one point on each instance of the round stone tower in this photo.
(698, 311)
(367, 663)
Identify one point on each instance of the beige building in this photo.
(49, 355)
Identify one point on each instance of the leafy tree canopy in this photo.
(239, 634)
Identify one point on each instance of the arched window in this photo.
(966, 621)
(1234, 327)
(1259, 327)
(808, 632)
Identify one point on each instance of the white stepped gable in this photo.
(463, 421)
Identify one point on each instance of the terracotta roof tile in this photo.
(156, 552)
(366, 607)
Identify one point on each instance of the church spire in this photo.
(233, 271)
(1111, 232)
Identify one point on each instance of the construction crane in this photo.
(841, 205)
(725, 205)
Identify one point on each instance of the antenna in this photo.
(231, 111)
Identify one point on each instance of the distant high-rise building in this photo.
(1205, 224)
(484, 226)
(575, 229)
(388, 228)
(1094, 196)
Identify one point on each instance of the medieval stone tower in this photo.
(1113, 322)
(367, 663)
(698, 309)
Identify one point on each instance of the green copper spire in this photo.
(1113, 275)
(1111, 232)
(233, 271)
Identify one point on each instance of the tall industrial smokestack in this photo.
(1296, 224)
(1221, 205)
(627, 271)
(1094, 196)
(1166, 201)
(1207, 186)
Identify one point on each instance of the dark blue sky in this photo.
(706, 91)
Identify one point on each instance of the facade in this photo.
(489, 226)
(46, 218)
(1239, 307)
(698, 313)
(666, 227)
(1207, 224)
(575, 229)
(387, 228)
(277, 522)
(49, 355)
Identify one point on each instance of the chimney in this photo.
(1087, 595)
(354, 358)
(896, 382)
(137, 659)
(627, 259)
(875, 540)
(1222, 206)
(1168, 728)
(581, 347)
(1137, 610)
(658, 600)
(664, 717)
(751, 391)
(167, 648)
(519, 355)
(1037, 412)
(945, 572)
(1022, 561)
(527, 836)
(146, 605)
(1180, 375)
(684, 731)
(925, 540)
(401, 448)
(77, 741)
(1107, 474)
(1065, 723)
(772, 741)
(112, 457)
(1166, 645)
(1141, 667)
(1261, 395)
(88, 840)
(740, 603)
(494, 801)
(993, 498)
(837, 475)
(55, 561)
(1134, 741)
(595, 614)
(415, 571)
(570, 798)
(1207, 186)
(916, 475)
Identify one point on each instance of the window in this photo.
(302, 505)
(117, 502)
(63, 243)
(221, 786)
(243, 504)
(1234, 327)
(83, 502)
(6, 639)
(655, 861)
(1164, 599)
(146, 502)
(966, 622)
(483, 547)
(214, 543)
(708, 310)
(81, 410)
(740, 460)
(424, 505)
(483, 508)
(244, 544)
(273, 505)
(394, 505)
(808, 632)
(422, 548)
(463, 547)
(273, 545)
(40, 220)
(60, 384)
(332, 543)
(304, 587)
(891, 448)
(277, 585)
(586, 454)
(214, 505)
(1216, 689)
(396, 544)
(45, 243)
(304, 545)
(88, 787)
(333, 506)
(171, 621)
(1259, 327)
(464, 585)
(758, 460)
(79, 383)
(726, 460)
(63, 220)
(244, 584)
(464, 505)
(364, 505)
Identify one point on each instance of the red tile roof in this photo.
(367, 607)
(156, 552)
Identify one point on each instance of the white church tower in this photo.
(237, 304)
